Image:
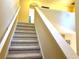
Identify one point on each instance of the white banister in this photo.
(67, 50)
(8, 31)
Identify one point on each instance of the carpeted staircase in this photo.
(24, 44)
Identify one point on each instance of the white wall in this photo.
(64, 21)
(7, 11)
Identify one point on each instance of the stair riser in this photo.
(26, 26)
(29, 44)
(19, 52)
(21, 43)
(31, 49)
(25, 32)
(25, 58)
(24, 41)
(29, 38)
(24, 35)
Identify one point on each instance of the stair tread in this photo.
(25, 44)
(25, 38)
(19, 25)
(24, 51)
(15, 34)
(23, 47)
(24, 35)
(26, 23)
(24, 31)
(25, 27)
(30, 28)
(25, 55)
(24, 41)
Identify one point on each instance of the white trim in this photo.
(8, 31)
(67, 50)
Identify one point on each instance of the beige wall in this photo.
(7, 12)
(24, 11)
(72, 38)
(77, 25)
(49, 47)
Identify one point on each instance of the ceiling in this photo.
(54, 4)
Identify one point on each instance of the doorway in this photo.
(31, 15)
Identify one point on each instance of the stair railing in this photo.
(64, 46)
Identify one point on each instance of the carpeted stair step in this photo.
(25, 38)
(25, 56)
(24, 51)
(25, 28)
(20, 48)
(24, 35)
(25, 32)
(24, 42)
(24, 25)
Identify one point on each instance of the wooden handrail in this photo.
(8, 31)
(67, 50)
